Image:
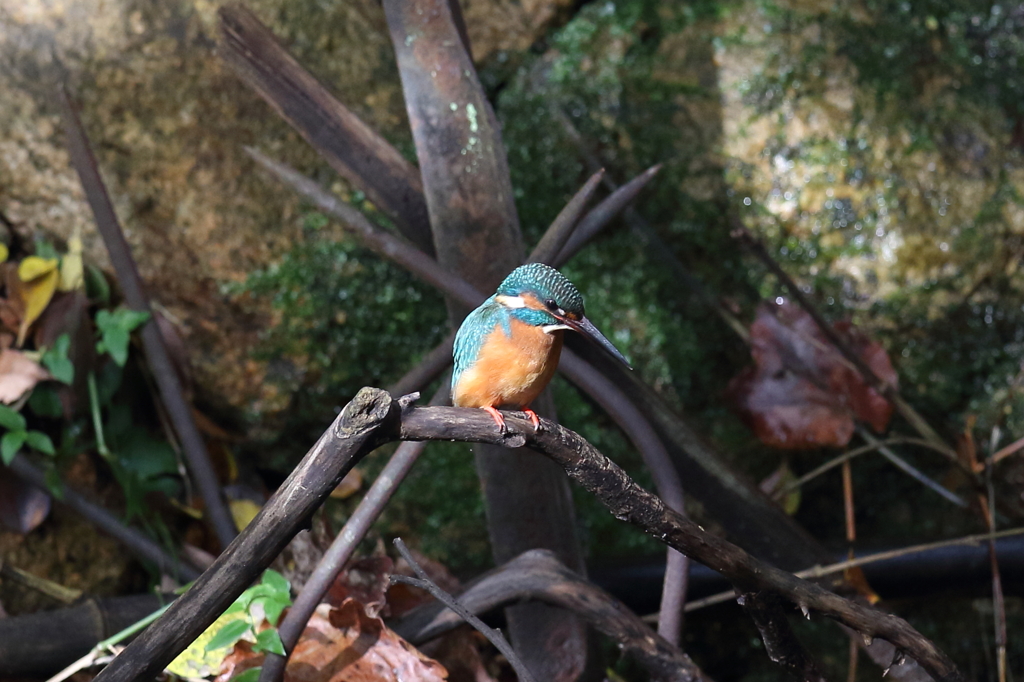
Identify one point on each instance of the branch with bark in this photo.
(373, 418)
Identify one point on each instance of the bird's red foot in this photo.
(498, 419)
(534, 419)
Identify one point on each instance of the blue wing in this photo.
(475, 328)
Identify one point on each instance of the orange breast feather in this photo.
(508, 371)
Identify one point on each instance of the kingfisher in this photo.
(507, 350)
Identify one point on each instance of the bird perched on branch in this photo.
(507, 350)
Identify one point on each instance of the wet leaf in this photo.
(18, 375)
(802, 393)
(22, 506)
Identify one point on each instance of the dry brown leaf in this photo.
(349, 485)
(18, 375)
(366, 580)
(802, 393)
(22, 505)
(344, 645)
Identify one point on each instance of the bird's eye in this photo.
(550, 303)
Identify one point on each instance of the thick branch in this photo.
(352, 148)
(780, 642)
(361, 427)
(539, 575)
(628, 501)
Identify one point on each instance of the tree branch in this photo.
(780, 642)
(561, 229)
(539, 575)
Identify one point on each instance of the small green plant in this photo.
(18, 435)
(116, 327)
(271, 596)
(56, 360)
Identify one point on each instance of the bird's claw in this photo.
(534, 419)
(498, 419)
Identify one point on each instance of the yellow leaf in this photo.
(34, 266)
(72, 270)
(4, 253)
(195, 661)
(349, 485)
(243, 511)
(35, 295)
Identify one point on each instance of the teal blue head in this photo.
(543, 297)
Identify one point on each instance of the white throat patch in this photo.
(548, 328)
(511, 301)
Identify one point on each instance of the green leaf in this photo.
(54, 485)
(9, 419)
(55, 359)
(277, 582)
(96, 286)
(228, 635)
(115, 329)
(272, 608)
(250, 675)
(40, 441)
(10, 444)
(269, 640)
(45, 402)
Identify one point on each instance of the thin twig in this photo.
(492, 635)
(816, 572)
(603, 213)
(344, 545)
(157, 357)
(1008, 450)
(56, 591)
(538, 575)
(92, 657)
(561, 229)
(135, 541)
(998, 601)
(910, 470)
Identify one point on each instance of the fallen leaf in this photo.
(366, 580)
(39, 277)
(72, 268)
(349, 485)
(18, 375)
(242, 512)
(344, 645)
(22, 505)
(802, 393)
(195, 661)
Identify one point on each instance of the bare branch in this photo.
(137, 542)
(353, 149)
(603, 213)
(492, 635)
(343, 546)
(203, 475)
(561, 229)
(780, 642)
(539, 575)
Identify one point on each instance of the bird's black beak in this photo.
(589, 331)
